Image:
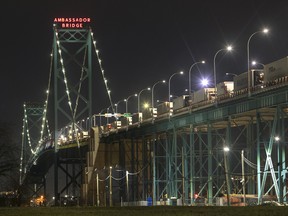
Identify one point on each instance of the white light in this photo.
(203, 62)
(163, 81)
(226, 149)
(181, 72)
(204, 82)
(265, 30)
(277, 138)
(254, 62)
(229, 48)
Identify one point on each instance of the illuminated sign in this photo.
(72, 22)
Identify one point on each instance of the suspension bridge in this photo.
(150, 155)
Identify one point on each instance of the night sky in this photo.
(140, 43)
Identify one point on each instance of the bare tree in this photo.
(9, 157)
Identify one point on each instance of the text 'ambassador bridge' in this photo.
(224, 145)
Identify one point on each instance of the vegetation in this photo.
(9, 158)
(146, 211)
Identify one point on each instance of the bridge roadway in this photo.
(174, 173)
(237, 109)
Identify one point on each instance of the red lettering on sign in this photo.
(72, 22)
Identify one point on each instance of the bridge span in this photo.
(231, 145)
(184, 153)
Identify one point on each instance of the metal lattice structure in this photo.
(72, 71)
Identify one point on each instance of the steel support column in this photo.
(192, 164)
(210, 166)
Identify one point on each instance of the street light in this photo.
(257, 63)
(243, 178)
(232, 74)
(100, 117)
(181, 72)
(138, 107)
(108, 113)
(226, 150)
(127, 185)
(110, 187)
(265, 31)
(280, 168)
(204, 82)
(116, 105)
(152, 97)
(190, 69)
(228, 48)
(126, 100)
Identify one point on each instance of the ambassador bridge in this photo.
(180, 157)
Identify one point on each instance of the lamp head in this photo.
(265, 30)
(204, 82)
(203, 62)
(229, 48)
(226, 149)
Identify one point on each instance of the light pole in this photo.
(226, 150)
(138, 106)
(126, 100)
(243, 177)
(100, 117)
(127, 185)
(152, 96)
(108, 113)
(181, 72)
(97, 190)
(110, 187)
(265, 31)
(93, 184)
(280, 168)
(116, 105)
(228, 48)
(189, 75)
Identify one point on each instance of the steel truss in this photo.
(190, 160)
(32, 186)
(72, 71)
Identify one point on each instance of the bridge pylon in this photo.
(32, 184)
(72, 72)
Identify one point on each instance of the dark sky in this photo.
(140, 42)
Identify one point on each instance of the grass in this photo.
(144, 211)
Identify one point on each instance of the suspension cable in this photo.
(102, 71)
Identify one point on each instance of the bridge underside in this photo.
(185, 158)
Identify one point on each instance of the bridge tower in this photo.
(72, 71)
(33, 122)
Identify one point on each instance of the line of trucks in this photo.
(273, 73)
